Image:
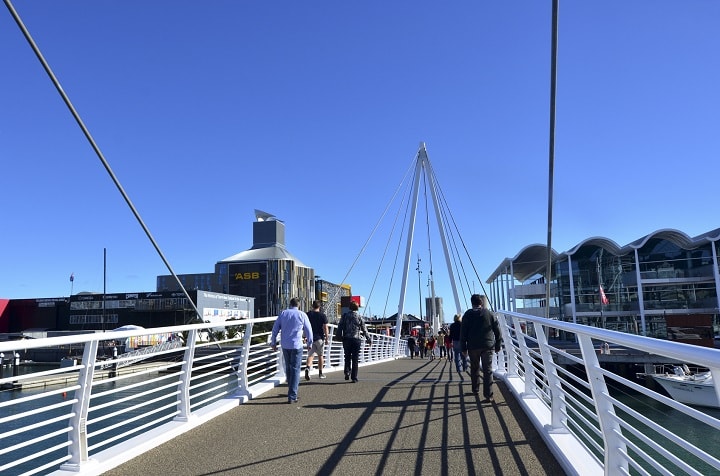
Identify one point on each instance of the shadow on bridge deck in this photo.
(404, 417)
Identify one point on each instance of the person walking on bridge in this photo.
(319, 324)
(351, 329)
(411, 345)
(292, 322)
(461, 361)
(479, 336)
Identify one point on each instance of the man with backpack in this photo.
(351, 329)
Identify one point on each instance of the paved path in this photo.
(405, 417)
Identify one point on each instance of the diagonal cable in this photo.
(94, 145)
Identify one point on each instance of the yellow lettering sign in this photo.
(247, 276)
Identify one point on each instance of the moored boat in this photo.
(688, 387)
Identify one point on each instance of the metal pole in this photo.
(104, 285)
(551, 158)
(419, 286)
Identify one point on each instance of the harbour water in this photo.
(103, 425)
(692, 431)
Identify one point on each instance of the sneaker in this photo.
(347, 376)
(322, 376)
(307, 374)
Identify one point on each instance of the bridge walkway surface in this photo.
(404, 417)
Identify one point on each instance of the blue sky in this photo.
(313, 111)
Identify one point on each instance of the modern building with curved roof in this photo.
(651, 286)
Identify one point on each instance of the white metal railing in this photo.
(596, 421)
(90, 417)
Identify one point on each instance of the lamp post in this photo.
(419, 286)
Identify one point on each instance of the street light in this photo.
(419, 286)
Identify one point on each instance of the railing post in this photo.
(328, 347)
(242, 364)
(183, 402)
(526, 360)
(511, 359)
(78, 449)
(558, 422)
(614, 462)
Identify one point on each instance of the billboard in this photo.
(218, 307)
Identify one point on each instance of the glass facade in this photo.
(639, 288)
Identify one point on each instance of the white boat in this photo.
(688, 387)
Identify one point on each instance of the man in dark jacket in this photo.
(351, 329)
(479, 336)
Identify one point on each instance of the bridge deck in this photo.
(403, 417)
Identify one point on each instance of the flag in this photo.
(603, 297)
(72, 277)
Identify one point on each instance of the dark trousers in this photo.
(351, 347)
(480, 357)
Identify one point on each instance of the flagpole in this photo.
(601, 293)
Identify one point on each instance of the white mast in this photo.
(423, 164)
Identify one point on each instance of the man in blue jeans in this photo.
(291, 323)
(461, 362)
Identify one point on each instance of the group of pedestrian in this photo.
(471, 340)
(312, 326)
(425, 347)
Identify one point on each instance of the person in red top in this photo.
(448, 346)
(430, 346)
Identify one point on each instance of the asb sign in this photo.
(247, 275)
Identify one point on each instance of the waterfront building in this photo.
(91, 312)
(267, 275)
(664, 285)
(267, 272)
(331, 297)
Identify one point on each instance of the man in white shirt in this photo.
(292, 322)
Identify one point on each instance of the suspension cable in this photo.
(95, 147)
(382, 260)
(372, 232)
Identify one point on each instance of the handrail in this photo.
(107, 412)
(576, 405)
(561, 384)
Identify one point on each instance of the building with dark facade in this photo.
(104, 312)
(664, 284)
(267, 272)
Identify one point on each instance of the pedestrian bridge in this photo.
(220, 408)
(403, 417)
